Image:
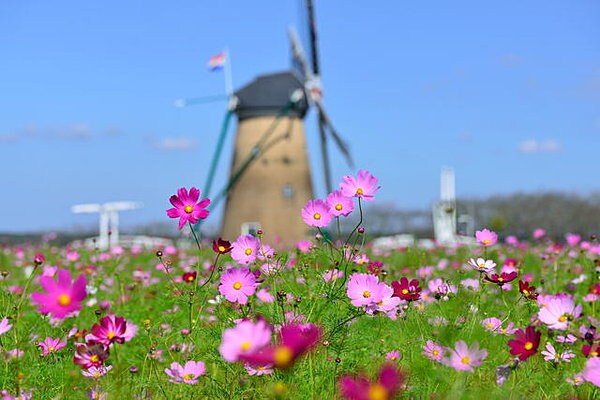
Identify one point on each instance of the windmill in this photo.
(108, 235)
(270, 177)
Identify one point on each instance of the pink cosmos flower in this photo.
(259, 369)
(186, 206)
(245, 249)
(539, 233)
(572, 239)
(463, 358)
(90, 355)
(364, 289)
(4, 326)
(492, 324)
(50, 345)
(363, 186)
(434, 351)
(110, 330)
(264, 296)
(576, 380)
(187, 373)
(316, 213)
(332, 275)
(550, 354)
(393, 355)
(388, 303)
(591, 372)
(304, 246)
(62, 297)
(486, 237)
(237, 284)
(245, 338)
(559, 312)
(339, 205)
(389, 381)
(294, 341)
(483, 265)
(96, 372)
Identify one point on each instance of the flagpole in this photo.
(227, 74)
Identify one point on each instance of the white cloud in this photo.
(8, 137)
(74, 131)
(176, 144)
(533, 146)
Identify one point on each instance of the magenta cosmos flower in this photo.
(4, 326)
(237, 284)
(486, 237)
(339, 205)
(187, 373)
(295, 340)
(245, 249)
(50, 345)
(363, 186)
(559, 312)
(364, 290)
(316, 213)
(187, 207)
(245, 338)
(463, 358)
(389, 382)
(90, 355)
(591, 372)
(111, 329)
(525, 343)
(63, 297)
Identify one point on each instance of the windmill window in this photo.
(287, 191)
(250, 228)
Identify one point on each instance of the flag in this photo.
(217, 62)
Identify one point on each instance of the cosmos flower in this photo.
(4, 326)
(525, 343)
(409, 291)
(393, 355)
(339, 205)
(501, 279)
(538, 233)
(245, 249)
(187, 373)
(389, 382)
(434, 351)
(527, 290)
(550, 354)
(294, 341)
(221, 246)
(237, 284)
(463, 358)
(363, 290)
(96, 372)
(259, 369)
(63, 297)
(559, 312)
(245, 338)
(189, 277)
(111, 329)
(90, 355)
(363, 186)
(187, 208)
(332, 275)
(486, 237)
(482, 265)
(591, 372)
(316, 213)
(492, 324)
(50, 345)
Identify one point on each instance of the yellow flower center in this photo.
(111, 335)
(404, 291)
(377, 392)
(486, 241)
(187, 377)
(562, 318)
(248, 251)
(500, 279)
(190, 278)
(594, 353)
(51, 349)
(94, 358)
(221, 248)
(317, 216)
(465, 360)
(96, 374)
(246, 346)
(339, 207)
(435, 352)
(188, 209)
(237, 285)
(528, 346)
(359, 191)
(283, 356)
(366, 294)
(64, 300)
(490, 325)
(526, 292)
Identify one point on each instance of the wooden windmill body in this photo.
(270, 175)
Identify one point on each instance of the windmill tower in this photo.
(444, 212)
(270, 177)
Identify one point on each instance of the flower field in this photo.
(333, 318)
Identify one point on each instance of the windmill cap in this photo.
(268, 94)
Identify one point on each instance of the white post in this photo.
(103, 234)
(114, 228)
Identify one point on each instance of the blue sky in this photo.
(508, 94)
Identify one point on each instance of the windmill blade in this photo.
(298, 55)
(341, 143)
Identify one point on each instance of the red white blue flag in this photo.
(217, 62)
